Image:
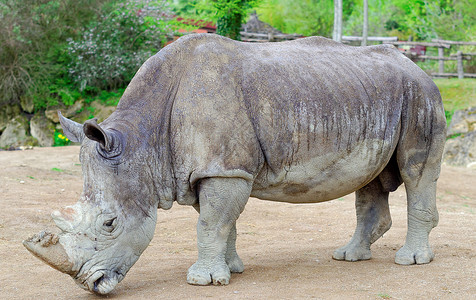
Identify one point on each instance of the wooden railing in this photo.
(267, 37)
(459, 57)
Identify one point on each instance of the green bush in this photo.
(33, 37)
(60, 140)
(57, 51)
(111, 49)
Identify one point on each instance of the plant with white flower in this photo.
(113, 47)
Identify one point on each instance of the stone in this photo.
(460, 149)
(42, 129)
(100, 111)
(52, 113)
(27, 104)
(16, 133)
(8, 112)
(97, 110)
(463, 121)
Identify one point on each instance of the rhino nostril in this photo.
(97, 282)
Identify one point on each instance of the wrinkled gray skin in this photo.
(210, 122)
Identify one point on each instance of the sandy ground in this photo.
(286, 248)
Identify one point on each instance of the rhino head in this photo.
(105, 232)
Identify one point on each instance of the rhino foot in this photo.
(235, 264)
(352, 252)
(408, 256)
(199, 274)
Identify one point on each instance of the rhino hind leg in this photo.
(373, 220)
(221, 201)
(419, 159)
(422, 214)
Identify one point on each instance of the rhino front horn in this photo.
(46, 247)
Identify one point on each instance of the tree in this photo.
(228, 14)
(365, 29)
(337, 35)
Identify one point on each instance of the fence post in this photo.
(441, 62)
(270, 37)
(459, 56)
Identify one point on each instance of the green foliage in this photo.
(228, 14)
(421, 19)
(307, 17)
(57, 51)
(111, 49)
(60, 140)
(111, 98)
(32, 35)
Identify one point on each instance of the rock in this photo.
(100, 111)
(43, 130)
(27, 104)
(8, 112)
(68, 112)
(460, 148)
(463, 121)
(15, 134)
(96, 110)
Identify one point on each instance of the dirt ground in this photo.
(286, 248)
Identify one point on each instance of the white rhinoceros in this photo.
(209, 122)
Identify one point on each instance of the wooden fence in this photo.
(459, 57)
(267, 37)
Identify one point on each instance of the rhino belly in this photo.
(324, 177)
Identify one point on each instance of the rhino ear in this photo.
(94, 132)
(72, 130)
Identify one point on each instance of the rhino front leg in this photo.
(373, 220)
(232, 259)
(221, 202)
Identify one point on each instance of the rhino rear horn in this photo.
(72, 129)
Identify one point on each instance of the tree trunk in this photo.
(337, 36)
(365, 30)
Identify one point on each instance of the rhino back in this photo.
(290, 116)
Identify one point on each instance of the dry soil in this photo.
(286, 248)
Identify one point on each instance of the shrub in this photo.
(60, 140)
(111, 49)
(32, 39)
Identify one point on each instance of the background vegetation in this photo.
(55, 52)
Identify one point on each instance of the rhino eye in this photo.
(110, 224)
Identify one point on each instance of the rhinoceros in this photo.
(209, 122)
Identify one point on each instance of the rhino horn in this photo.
(46, 247)
(66, 218)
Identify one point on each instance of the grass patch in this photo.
(57, 170)
(457, 94)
